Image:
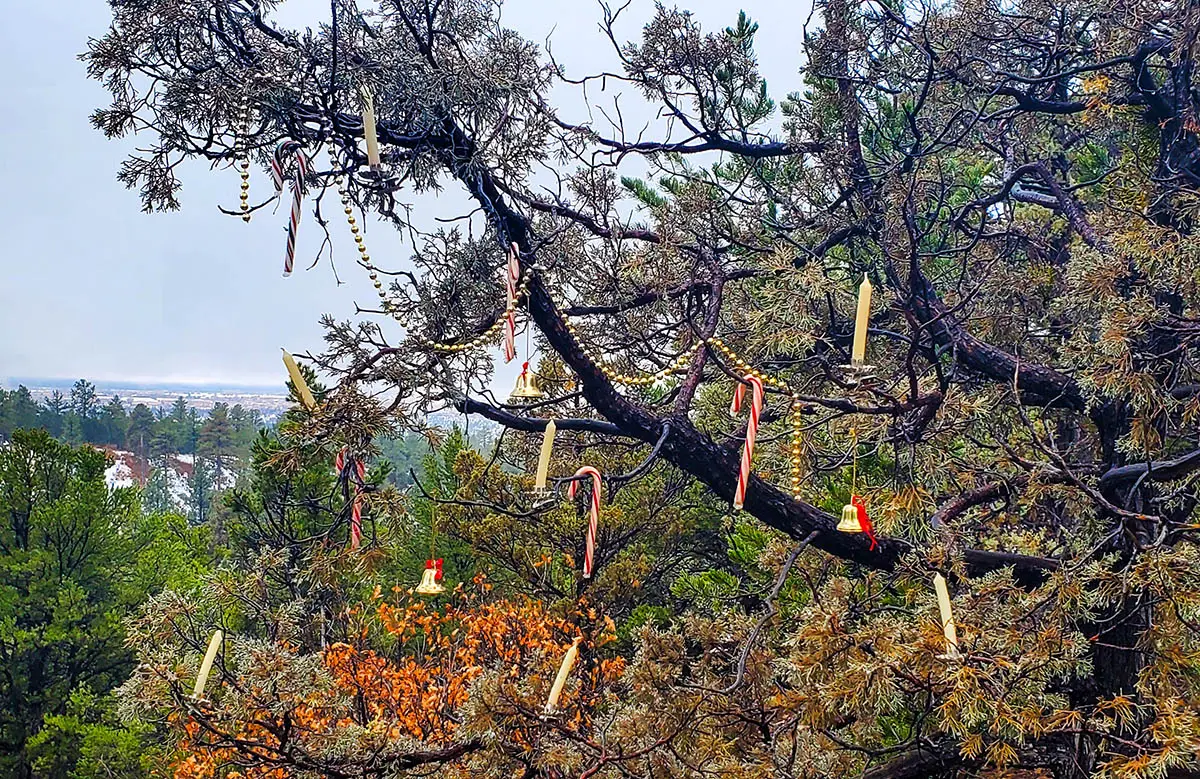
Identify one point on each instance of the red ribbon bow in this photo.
(864, 521)
(436, 565)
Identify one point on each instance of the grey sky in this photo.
(92, 287)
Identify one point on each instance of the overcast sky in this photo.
(92, 287)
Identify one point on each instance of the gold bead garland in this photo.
(645, 380)
(385, 301)
(795, 418)
(242, 154)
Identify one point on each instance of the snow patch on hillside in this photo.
(129, 470)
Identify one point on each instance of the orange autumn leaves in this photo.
(408, 687)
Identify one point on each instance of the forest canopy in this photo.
(1019, 182)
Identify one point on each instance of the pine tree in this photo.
(113, 422)
(56, 410)
(18, 410)
(140, 432)
(200, 490)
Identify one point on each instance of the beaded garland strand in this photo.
(677, 365)
(242, 154)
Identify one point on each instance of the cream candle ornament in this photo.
(306, 396)
(943, 596)
(369, 131)
(564, 671)
(858, 352)
(543, 465)
(206, 666)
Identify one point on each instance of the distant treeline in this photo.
(82, 417)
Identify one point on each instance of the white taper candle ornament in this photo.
(306, 396)
(858, 352)
(543, 465)
(369, 132)
(943, 596)
(564, 670)
(206, 666)
(512, 274)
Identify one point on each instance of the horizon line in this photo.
(146, 383)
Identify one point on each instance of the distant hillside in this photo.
(171, 479)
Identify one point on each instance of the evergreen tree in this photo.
(84, 406)
(200, 491)
(73, 431)
(246, 423)
(140, 432)
(216, 435)
(113, 423)
(56, 410)
(156, 495)
(75, 558)
(18, 410)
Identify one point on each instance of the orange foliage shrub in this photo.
(375, 700)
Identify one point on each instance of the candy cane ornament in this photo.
(756, 404)
(356, 521)
(284, 150)
(589, 551)
(357, 474)
(512, 274)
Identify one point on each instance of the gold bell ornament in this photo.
(431, 577)
(850, 523)
(527, 385)
(854, 514)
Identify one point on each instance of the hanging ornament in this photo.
(283, 151)
(560, 681)
(431, 577)
(858, 350)
(543, 463)
(589, 550)
(756, 405)
(796, 421)
(854, 514)
(948, 628)
(858, 372)
(849, 522)
(306, 397)
(512, 274)
(356, 521)
(206, 666)
(369, 133)
(527, 385)
(354, 470)
(242, 156)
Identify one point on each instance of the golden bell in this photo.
(429, 585)
(527, 387)
(850, 523)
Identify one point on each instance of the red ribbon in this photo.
(436, 565)
(864, 521)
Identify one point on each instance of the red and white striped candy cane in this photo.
(359, 475)
(282, 151)
(589, 551)
(756, 404)
(512, 273)
(356, 521)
